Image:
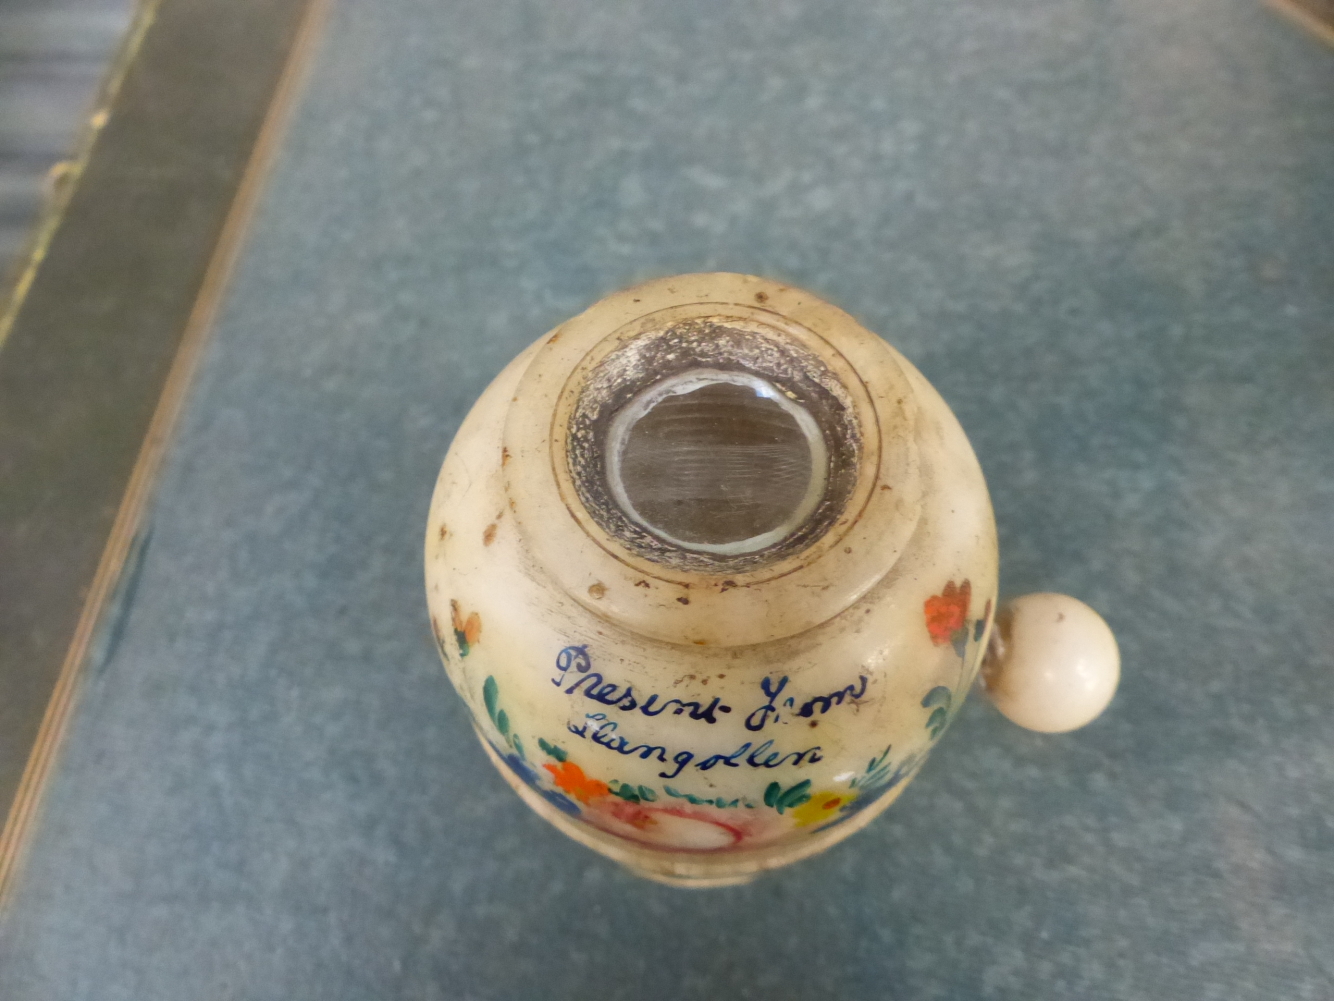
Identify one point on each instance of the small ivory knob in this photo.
(1053, 664)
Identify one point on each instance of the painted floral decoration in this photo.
(822, 806)
(466, 632)
(623, 808)
(881, 776)
(947, 615)
(683, 820)
(571, 780)
(512, 751)
(787, 799)
(938, 701)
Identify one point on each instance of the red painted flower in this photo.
(946, 612)
(673, 827)
(627, 813)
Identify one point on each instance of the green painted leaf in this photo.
(782, 800)
(938, 696)
(552, 750)
(959, 640)
(795, 796)
(647, 794)
(876, 778)
(874, 769)
(503, 723)
(517, 744)
(938, 720)
(491, 695)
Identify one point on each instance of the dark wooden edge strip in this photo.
(296, 56)
(65, 176)
(1316, 16)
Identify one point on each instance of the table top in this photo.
(1104, 231)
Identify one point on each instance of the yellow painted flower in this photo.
(822, 806)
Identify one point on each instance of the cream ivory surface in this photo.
(704, 763)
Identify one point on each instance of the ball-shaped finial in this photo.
(1053, 664)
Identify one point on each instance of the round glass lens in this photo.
(716, 461)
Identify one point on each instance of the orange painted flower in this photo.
(468, 632)
(820, 807)
(947, 612)
(570, 779)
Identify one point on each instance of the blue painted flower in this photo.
(530, 778)
(881, 776)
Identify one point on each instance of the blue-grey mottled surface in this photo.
(1104, 228)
